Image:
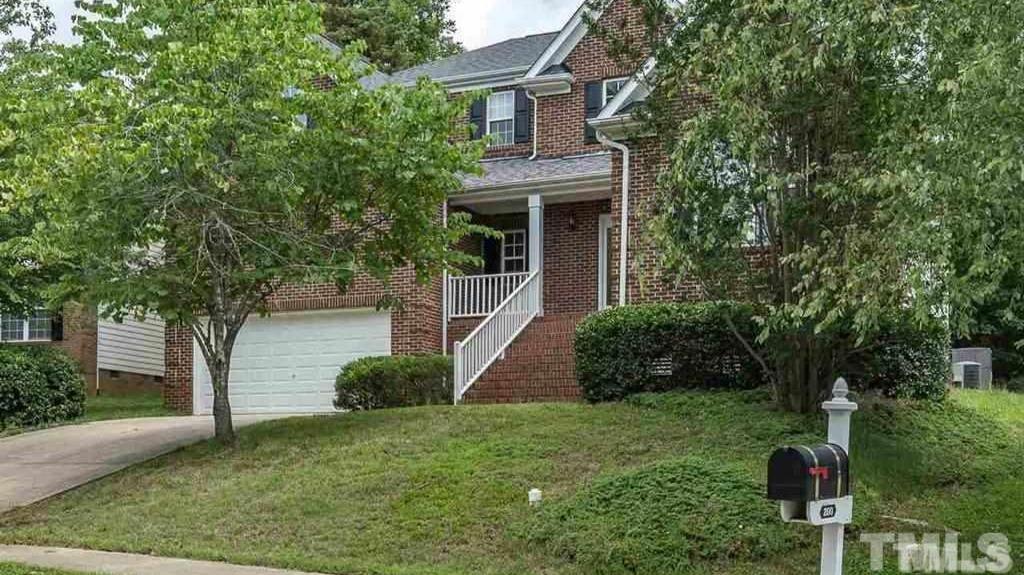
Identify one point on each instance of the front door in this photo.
(604, 263)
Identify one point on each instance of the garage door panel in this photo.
(288, 363)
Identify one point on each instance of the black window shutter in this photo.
(478, 117)
(57, 327)
(594, 103)
(524, 118)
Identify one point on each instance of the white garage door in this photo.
(287, 363)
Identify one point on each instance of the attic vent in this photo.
(662, 367)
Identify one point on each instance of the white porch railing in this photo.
(476, 296)
(490, 340)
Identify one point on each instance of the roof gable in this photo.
(506, 60)
(566, 40)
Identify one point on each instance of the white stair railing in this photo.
(489, 341)
(478, 296)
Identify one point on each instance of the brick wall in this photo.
(571, 256)
(178, 364)
(124, 383)
(415, 322)
(562, 119)
(646, 283)
(79, 341)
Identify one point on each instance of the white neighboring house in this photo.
(132, 350)
(111, 356)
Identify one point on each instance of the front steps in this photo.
(539, 366)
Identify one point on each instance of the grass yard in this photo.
(106, 407)
(12, 569)
(663, 484)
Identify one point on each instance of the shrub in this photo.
(906, 361)
(654, 348)
(398, 381)
(37, 386)
(665, 518)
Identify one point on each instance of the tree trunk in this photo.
(802, 367)
(217, 343)
(222, 420)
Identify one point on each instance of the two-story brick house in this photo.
(569, 181)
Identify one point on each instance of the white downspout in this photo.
(533, 98)
(444, 291)
(624, 224)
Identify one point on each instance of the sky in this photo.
(479, 22)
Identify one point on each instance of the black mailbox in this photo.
(809, 473)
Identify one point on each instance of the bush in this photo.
(399, 381)
(38, 386)
(906, 361)
(663, 347)
(670, 517)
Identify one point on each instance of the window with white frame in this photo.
(612, 88)
(513, 251)
(36, 327)
(501, 118)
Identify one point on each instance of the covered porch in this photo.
(553, 257)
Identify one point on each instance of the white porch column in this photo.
(536, 241)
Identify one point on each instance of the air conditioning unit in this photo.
(972, 368)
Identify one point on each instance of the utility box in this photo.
(812, 484)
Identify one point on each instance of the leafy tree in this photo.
(202, 170)
(830, 166)
(23, 278)
(398, 33)
(31, 18)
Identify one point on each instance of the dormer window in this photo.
(501, 118)
(612, 88)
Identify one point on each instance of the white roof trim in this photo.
(637, 87)
(566, 41)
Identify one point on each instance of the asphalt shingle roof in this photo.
(524, 171)
(515, 53)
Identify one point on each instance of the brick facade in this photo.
(416, 322)
(562, 119)
(646, 282)
(571, 243)
(79, 341)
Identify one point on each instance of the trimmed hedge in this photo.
(38, 385)
(907, 361)
(394, 381)
(663, 347)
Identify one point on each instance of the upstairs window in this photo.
(513, 251)
(501, 122)
(36, 327)
(612, 88)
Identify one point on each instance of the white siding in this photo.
(132, 347)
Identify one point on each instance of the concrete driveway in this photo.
(41, 464)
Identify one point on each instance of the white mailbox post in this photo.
(839, 409)
(812, 482)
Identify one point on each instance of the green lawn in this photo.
(12, 569)
(662, 484)
(105, 407)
